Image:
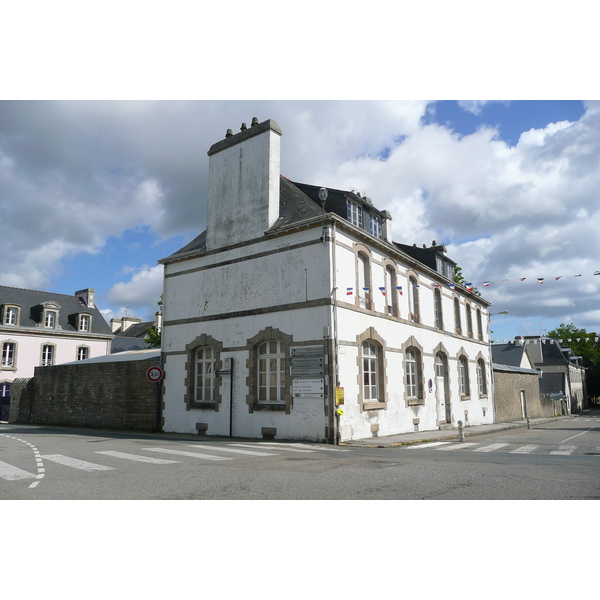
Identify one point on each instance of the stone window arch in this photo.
(372, 367)
(269, 380)
(202, 381)
(413, 372)
(413, 297)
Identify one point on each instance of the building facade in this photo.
(44, 329)
(296, 316)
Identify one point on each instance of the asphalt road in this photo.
(556, 460)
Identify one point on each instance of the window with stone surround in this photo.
(11, 315)
(269, 380)
(9, 355)
(48, 355)
(413, 372)
(463, 377)
(372, 378)
(83, 352)
(437, 304)
(481, 378)
(203, 382)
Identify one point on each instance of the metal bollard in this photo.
(461, 433)
(528, 423)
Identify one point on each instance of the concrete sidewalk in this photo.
(447, 434)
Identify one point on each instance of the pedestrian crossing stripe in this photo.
(262, 447)
(184, 453)
(524, 449)
(75, 463)
(460, 446)
(490, 448)
(429, 445)
(564, 450)
(11, 473)
(234, 450)
(137, 457)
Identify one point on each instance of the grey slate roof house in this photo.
(40, 328)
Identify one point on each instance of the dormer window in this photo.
(355, 213)
(375, 226)
(10, 315)
(85, 323)
(50, 319)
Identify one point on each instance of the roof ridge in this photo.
(10, 287)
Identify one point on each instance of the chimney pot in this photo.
(229, 133)
(254, 121)
(243, 127)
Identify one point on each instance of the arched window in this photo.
(481, 379)
(204, 375)
(469, 321)
(364, 292)
(457, 323)
(391, 301)
(479, 326)
(413, 296)
(437, 304)
(47, 355)
(271, 372)
(414, 383)
(463, 376)
(370, 372)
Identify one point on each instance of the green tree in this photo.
(582, 344)
(153, 335)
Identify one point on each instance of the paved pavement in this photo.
(448, 434)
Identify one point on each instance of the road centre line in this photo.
(574, 436)
(237, 451)
(184, 453)
(38, 460)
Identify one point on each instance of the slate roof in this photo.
(294, 206)
(148, 354)
(511, 369)
(508, 354)
(30, 300)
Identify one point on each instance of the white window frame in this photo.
(370, 372)
(354, 213)
(413, 296)
(438, 312)
(204, 374)
(83, 350)
(481, 378)
(9, 354)
(457, 317)
(270, 370)
(11, 315)
(463, 376)
(50, 319)
(48, 355)
(85, 323)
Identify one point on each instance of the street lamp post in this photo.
(490, 315)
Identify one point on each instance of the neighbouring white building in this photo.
(42, 329)
(286, 307)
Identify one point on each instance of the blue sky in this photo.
(94, 193)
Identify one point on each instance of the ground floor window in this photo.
(8, 354)
(370, 372)
(204, 375)
(271, 372)
(47, 355)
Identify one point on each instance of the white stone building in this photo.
(283, 307)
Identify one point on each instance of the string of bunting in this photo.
(452, 286)
(589, 338)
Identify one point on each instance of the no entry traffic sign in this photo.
(154, 374)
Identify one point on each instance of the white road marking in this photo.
(83, 465)
(261, 447)
(490, 448)
(235, 450)
(429, 445)
(38, 459)
(11, 473)
(564, 450)
(137, 457)
(184, 453)
(312, 446)
(574, 436)
(523, 449)
(460, 446)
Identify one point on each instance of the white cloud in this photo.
(142, 290)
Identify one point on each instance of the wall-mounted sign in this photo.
(154, 374)
(339, 396)
(308, 388)
(308, 362)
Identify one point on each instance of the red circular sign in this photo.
(154, 374)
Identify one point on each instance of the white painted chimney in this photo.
(87, 296)
(243, 184)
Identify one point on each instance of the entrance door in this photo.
(4, 401)
(441, 389)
